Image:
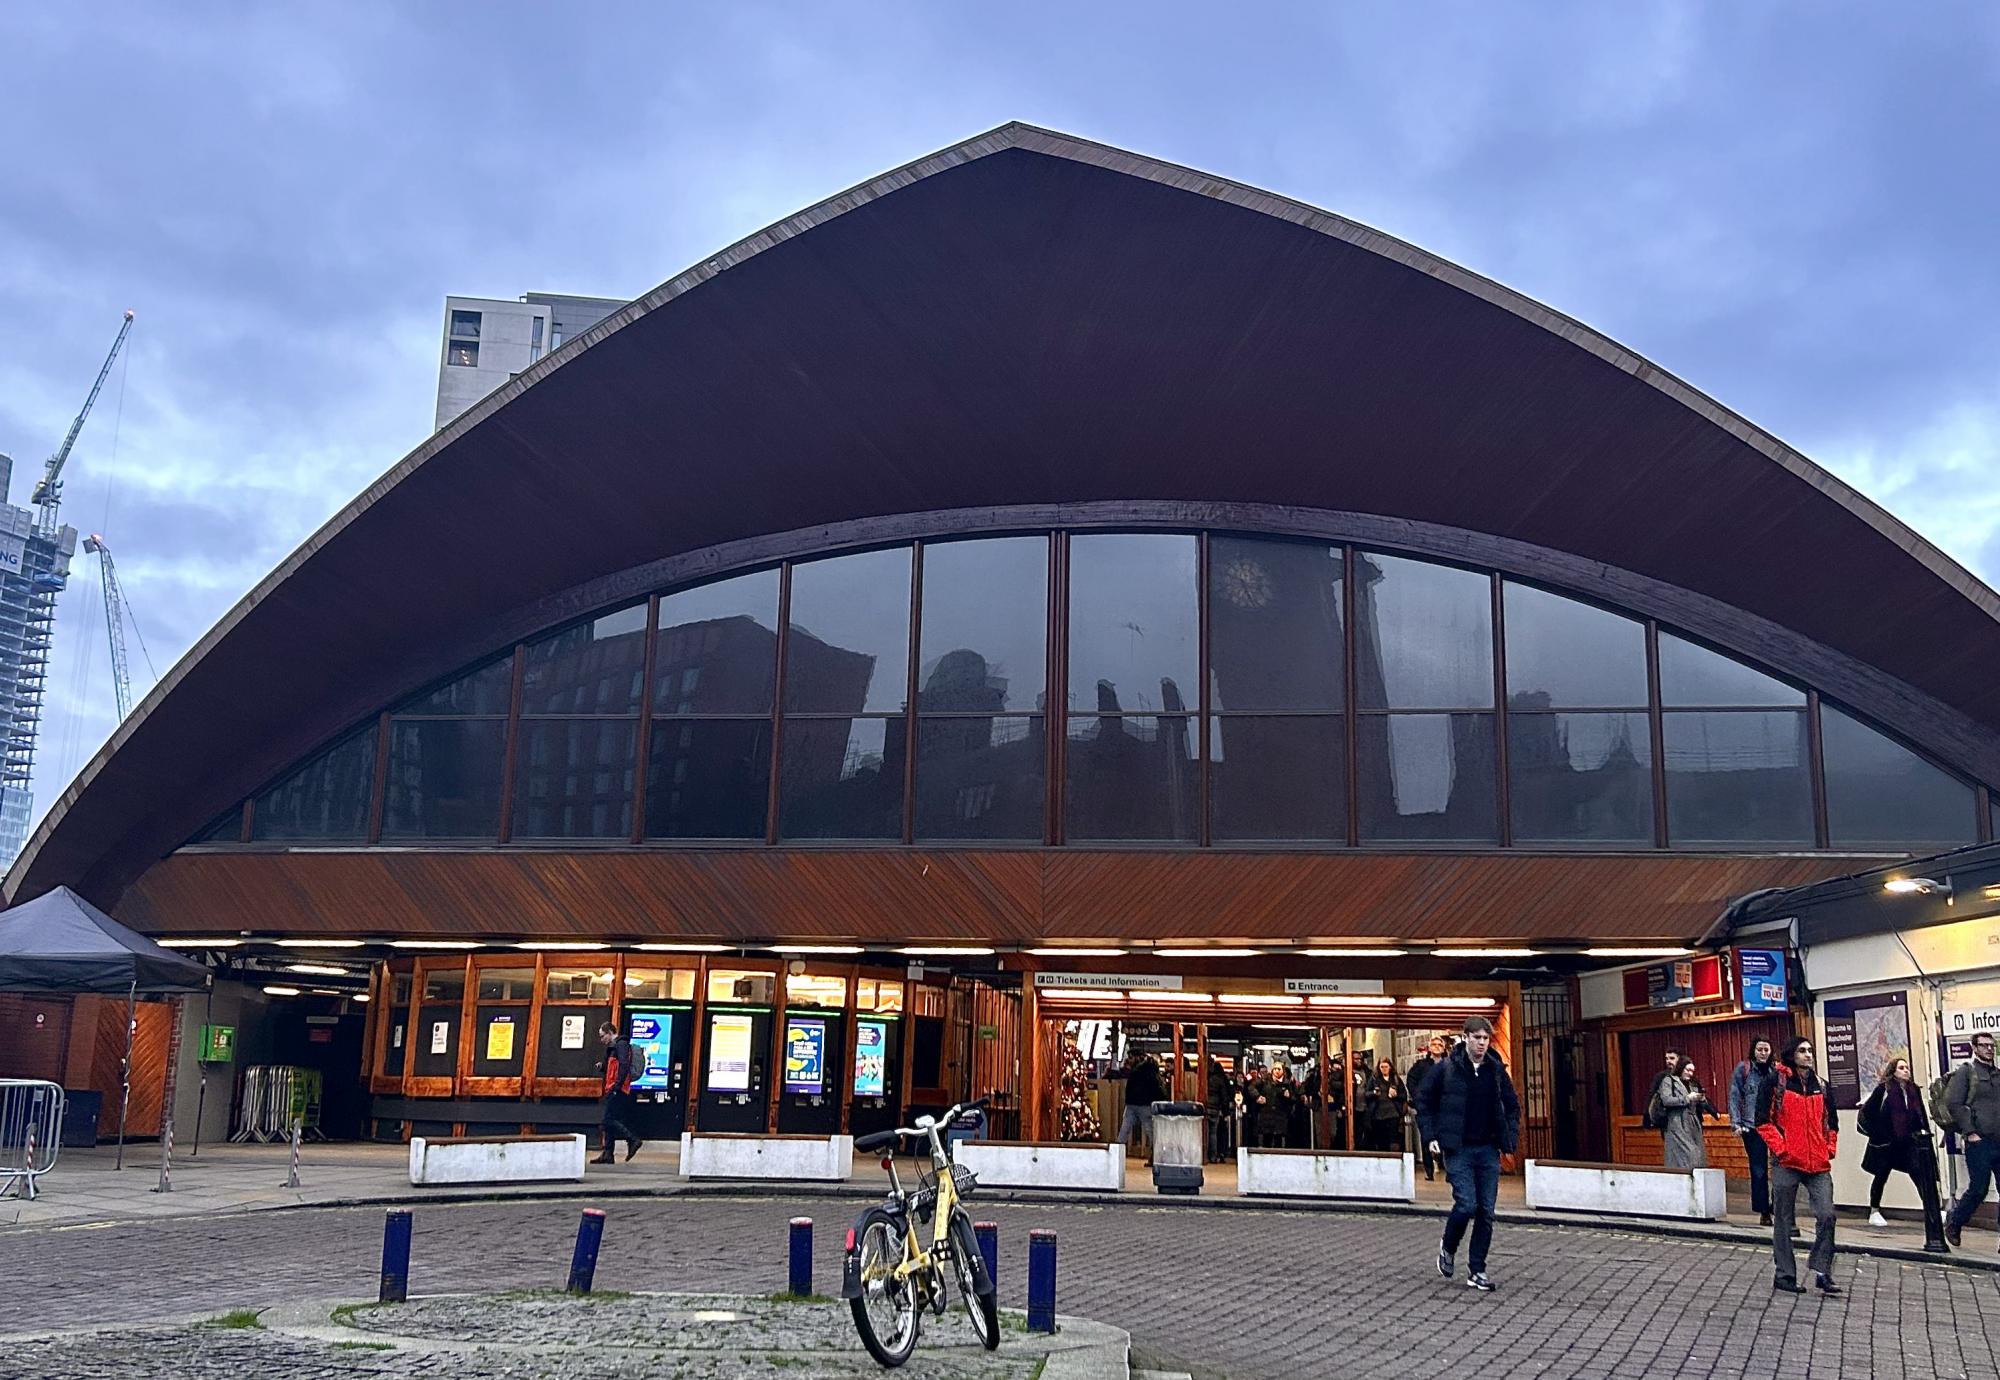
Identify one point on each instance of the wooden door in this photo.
(34, 1036)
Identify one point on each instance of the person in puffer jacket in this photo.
(1796, 1120)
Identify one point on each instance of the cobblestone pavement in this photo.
(1269, 1294)
(539, 1336)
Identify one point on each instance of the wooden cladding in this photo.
(752, 896)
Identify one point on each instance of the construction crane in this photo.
(114, 623)
(47, 497)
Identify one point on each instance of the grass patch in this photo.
(345, 1314)
(363, 1346)
(236, 1319)
(798, 1298)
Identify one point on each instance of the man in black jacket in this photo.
(1427, 1064)
(1469, 1113)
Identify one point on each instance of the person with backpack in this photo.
(1684, 1102)
(1972, 1096)
(1654, 1117)
(1795, 1117)
(1744, 1085)
(622, 1064)
(1899, 1138)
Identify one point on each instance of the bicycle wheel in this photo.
(886, 1313)
(980, 1303)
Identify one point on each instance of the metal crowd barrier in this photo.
(31, 1115)
(277, 1097)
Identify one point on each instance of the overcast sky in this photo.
(1794, 207)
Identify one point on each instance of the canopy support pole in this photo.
(125, 1092)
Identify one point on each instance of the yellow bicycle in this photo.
(889, 1276)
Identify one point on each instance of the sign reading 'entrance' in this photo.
(1345, 987)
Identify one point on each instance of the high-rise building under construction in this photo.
(34, 566)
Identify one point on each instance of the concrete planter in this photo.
(818, 1159)
(495, 1159)
(1628, 1190)
(1046, 1164)
(1381, 1176)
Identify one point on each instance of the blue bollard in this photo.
(802, 1257)
(583, 1260)
(987, 1234)
(1041, 1281)
(395, 1256)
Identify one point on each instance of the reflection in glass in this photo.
(984, 636)
(1738, 778)
(1423, 635)
(573, 778)
(327, 798)
(708, 779)
(981, 778)
(842, 779)
(1881, 794)
(444, 778)
(1134, 622)
(483, 691)
(849, 649)
(1132, 777)
(597, 667)
(1427, 778)
(1278, 778)
(1564, 654)
(1274, 611)
(718, 647)
(1691, 677)
(1580, 778)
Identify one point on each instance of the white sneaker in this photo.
(1876, 1219)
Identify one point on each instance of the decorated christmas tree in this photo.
(1075, 1118)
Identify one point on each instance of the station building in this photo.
(1043, 596)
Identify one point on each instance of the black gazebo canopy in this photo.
(59, 942)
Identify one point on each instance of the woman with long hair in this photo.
(1899, 1138)
(1682, 1096)
(1383, 1106)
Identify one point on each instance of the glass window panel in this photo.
(842, 779)
(327, 798)
(444, 778)
(984, 639)
(1691, 676)
(484, 691)
(708, 779)
(1879, 793)
(597, 667)
(444, 984)
(1564, 654)
(1427, 777)
(815, 989)
(1275, 618)
(718, 647)
(740, 985)
(849, 649)
(1133, 776)
(226, 827)
(1274, 778)
(1134, 635)
(1738, 778)
(1580, 778)
(399, 990)
(573, 778)
(588, 985)
(1424, 635)
(981, 778)
(878, 994)
(659, 984)
(505, 984)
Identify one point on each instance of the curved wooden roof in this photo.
(1031, 319)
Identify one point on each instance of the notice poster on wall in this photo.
(396, 1037)
(729, 1053)
(1860, 1037)
(500, 1039)
(871, 1059)
(653, 1038)
(440, 1037)
(1762, 973)
(805, 1057)
(572, 1032)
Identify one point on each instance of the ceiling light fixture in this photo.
(946, 950)
(684, 948)
(317, 969)
(1662, 952)
(197, 943)
(1261, 999)
(1172, 996)
(281, 991)
(1917, 886)
(1354, 953)
(435, 944)
(563, 945)
(1450, 1001)
(1484, 953)
(1350, 1001)
(1086, 994)
(361, 997)
(1078, 953)
(817, 949)
(319, 943)
(1208, 953)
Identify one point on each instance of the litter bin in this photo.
(1178, 1133)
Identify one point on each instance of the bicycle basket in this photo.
(924, 1201)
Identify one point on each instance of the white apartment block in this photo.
(488, 340)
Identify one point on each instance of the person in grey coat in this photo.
(1685, 1102)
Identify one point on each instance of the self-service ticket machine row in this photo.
(734, 1080)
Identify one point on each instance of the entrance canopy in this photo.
(59, 942)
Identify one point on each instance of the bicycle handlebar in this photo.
(951, 1114)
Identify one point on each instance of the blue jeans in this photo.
(1136, 1118)
(1475, 1186)
(1759, 1155)
(1979, 1165)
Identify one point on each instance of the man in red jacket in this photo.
(1796, 1119)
